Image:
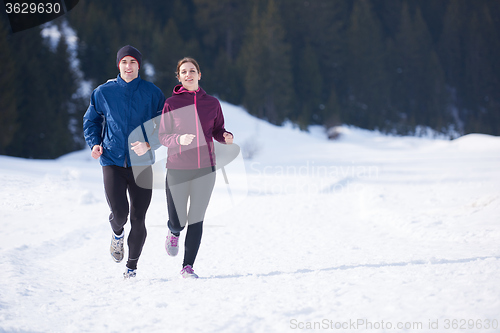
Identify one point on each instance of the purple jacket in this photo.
(191, 112)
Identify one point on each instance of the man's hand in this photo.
(96, 151)
(140, 148)
(228, 137)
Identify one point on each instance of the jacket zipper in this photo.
(196, 119)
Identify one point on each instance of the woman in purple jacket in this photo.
(190, 120)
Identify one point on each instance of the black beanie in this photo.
(128, 51)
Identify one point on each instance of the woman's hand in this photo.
(186, 139)
(140, 148)
(96, 151)
(228, 137)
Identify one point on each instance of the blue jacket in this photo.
(120, 113)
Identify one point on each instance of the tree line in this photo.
(398, 66)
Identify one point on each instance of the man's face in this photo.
(129, 68)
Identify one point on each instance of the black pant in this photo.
(117, 181)
(197, 186)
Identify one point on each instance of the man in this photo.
(117, 109)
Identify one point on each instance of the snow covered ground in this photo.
(368, 233)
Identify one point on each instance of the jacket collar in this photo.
(179, 89)
(132, 84)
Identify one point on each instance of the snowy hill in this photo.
(370, 232)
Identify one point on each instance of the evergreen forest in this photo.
(397, 66)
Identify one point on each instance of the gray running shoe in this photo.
(171, 244)
(116, 248)
(129, 273)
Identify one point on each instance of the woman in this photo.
(190, 121)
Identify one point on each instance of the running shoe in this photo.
(116, 248)
(188, 272)
(171, 244)
(129, 273)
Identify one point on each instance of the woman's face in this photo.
(189, 76)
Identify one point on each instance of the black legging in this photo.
(197, 185)
(117, 181)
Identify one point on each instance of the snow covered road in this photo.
(369, 233)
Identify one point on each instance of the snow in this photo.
(368, 232)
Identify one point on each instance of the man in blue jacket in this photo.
(119, 127)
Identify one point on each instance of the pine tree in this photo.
(222, 25)
(98, 38)
(389, 13)
(266, 57)
(137, 28)
(333, 111)
(184, 13)
(44, 94)
(366, 71)
(250, 59)
(61, 89)
(309, 86)
(169, 49)
(419, 91)
(225, 78)
(451, 51)
(321, 26)
(33, 95)
(402, 96)
(481, 73)
(429, 78)
(8, 86)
